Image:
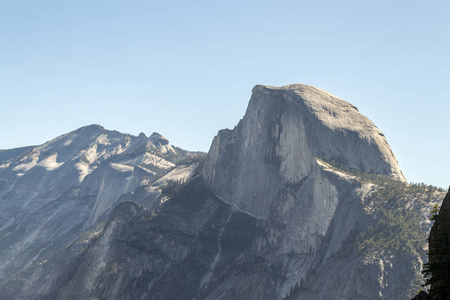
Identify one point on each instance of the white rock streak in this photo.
(50, 162)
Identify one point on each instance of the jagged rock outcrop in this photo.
(52, 193)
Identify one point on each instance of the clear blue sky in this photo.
(186, 68)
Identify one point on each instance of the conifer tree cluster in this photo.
(437, 270)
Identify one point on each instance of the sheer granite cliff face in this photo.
(276, 142)
(268, 218)
(270, 166)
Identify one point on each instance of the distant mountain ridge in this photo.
(303, 199)
(52, 193)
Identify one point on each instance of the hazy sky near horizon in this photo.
(185, 69)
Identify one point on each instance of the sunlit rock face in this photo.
(271, 167)
(50, 194)
(267, 218)
(276, 143)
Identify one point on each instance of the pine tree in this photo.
(437, 270)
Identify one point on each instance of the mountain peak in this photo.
(159, 138)
(292, 87)
(283, 130)
(325, 111)
(309, 94)
(90, 128)
(159, 142)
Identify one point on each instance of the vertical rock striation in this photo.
(276, 142)
(284, 208)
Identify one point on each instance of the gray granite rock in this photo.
(276, 142)
(268, 217)
(52, 193)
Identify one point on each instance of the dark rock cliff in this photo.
(437, 269)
